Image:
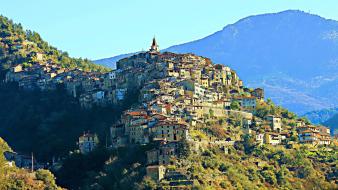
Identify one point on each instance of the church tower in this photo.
(154, 47)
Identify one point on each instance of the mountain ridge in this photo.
(279, 45)
(321, 116)
(332, 122)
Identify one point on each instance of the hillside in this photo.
(27, 47)
(12, 177)
(292, 54)
(210, 148)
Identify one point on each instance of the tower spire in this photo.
(154, 47)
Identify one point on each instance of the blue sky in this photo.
(104, 28)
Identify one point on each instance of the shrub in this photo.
(210, 163)
(269, 176)
(223, 167)
(147, 184)
(207, 153)
(47, 177)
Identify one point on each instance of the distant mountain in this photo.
(321, 116)
(333, 124)
(293, 55)
(110, 62)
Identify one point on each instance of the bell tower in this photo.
(154, 47)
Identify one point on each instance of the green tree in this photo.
(281, 176)
(211, 113)
(269, 176)
(147, 184)
(235, 105)
(262, 110)
(47, 177)
(183, 149)
(248, 143)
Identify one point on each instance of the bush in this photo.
(223, 184)
(210, 163)
(235, 105)
(223, 167)
(147, 184)
(47, 177)
(183, 149)
(218, 131)
(207, 153)
(269, 176)
(281, 176)
(248, 143)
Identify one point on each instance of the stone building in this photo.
(88, 142)
(156, 172)
(275, 123)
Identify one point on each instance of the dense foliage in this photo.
(249, 166)
(269, 108)
(16, 179)
(50, 121)
(49, 124)
(105, 169)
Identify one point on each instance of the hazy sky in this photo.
(103, 28)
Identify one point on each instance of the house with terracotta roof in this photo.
(309, 134)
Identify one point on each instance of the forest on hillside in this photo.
(12, 177)
(51, 121)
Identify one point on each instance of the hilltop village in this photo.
(180, 98)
